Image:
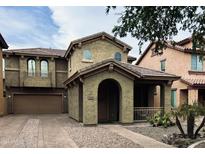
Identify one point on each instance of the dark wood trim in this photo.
(196, 72)
(161, 78)
(163, 59)
(139, 81)
(12, 69)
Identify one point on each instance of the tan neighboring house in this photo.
(34, 80)
(181, 61)
(3, 45)
(104, 87)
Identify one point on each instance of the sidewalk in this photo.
(137, 138)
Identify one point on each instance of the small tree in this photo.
(189, 112)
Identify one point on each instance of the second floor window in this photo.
(44, 68)
(31, 67)
(196, 62)
(118, 56)
(162, 63)
(87, 55)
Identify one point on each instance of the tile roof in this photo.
(184, 41)
(136, 71)
(145, 72)
(94, 36)
(169, 45)
(194, 81)
(37, 51)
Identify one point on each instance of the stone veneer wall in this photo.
(73, 102)
(100, 49)
(90, 97)
(1, 86)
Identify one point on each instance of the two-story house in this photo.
(104, 87)
(34, 80)
(182, 61)
(92, 80)
(3, 45)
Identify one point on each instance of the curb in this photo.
(195, 144)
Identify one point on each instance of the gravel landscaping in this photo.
(157, 133)
(96, 136)
(154, 132)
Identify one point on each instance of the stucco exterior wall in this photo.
(101, 50)
(90, 97)
(73, 101)
(16, 72)
(61, 71)
(2, 112)
(12, 71)
(177, 62)
(167, 97)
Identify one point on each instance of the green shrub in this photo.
(160, 120)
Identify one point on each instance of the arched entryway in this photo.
(108, 101)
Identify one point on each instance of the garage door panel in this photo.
(33, 104)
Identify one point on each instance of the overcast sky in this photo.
(55, 27)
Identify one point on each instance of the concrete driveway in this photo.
(59, 131)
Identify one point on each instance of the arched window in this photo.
(118, 56)
(87, 55)
(31, 67)
(44, 68)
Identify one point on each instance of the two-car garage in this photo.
(37, 103)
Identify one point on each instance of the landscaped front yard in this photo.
(160, 133)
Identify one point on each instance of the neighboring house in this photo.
(104, 87)
(3, 45)
(34, 80)
(182, 61)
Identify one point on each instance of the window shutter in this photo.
(199, 63)
(173, 98)
(193, 62)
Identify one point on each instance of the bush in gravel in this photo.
(160, 120)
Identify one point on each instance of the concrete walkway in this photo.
(59, 131)
(137, 138)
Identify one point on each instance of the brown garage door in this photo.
(32, 104)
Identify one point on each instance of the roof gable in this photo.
(3, 43)
(131, 70)
(177, 47)
(97, 36)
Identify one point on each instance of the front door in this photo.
(108, 101)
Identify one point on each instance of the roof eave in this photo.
(161, 77)
(87, 38)
(3, 43)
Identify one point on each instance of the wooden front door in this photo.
(108, 101)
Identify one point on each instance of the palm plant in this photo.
(189, 112)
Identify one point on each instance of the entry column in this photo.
(192, 96)
(165, 94)
(127, 102)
